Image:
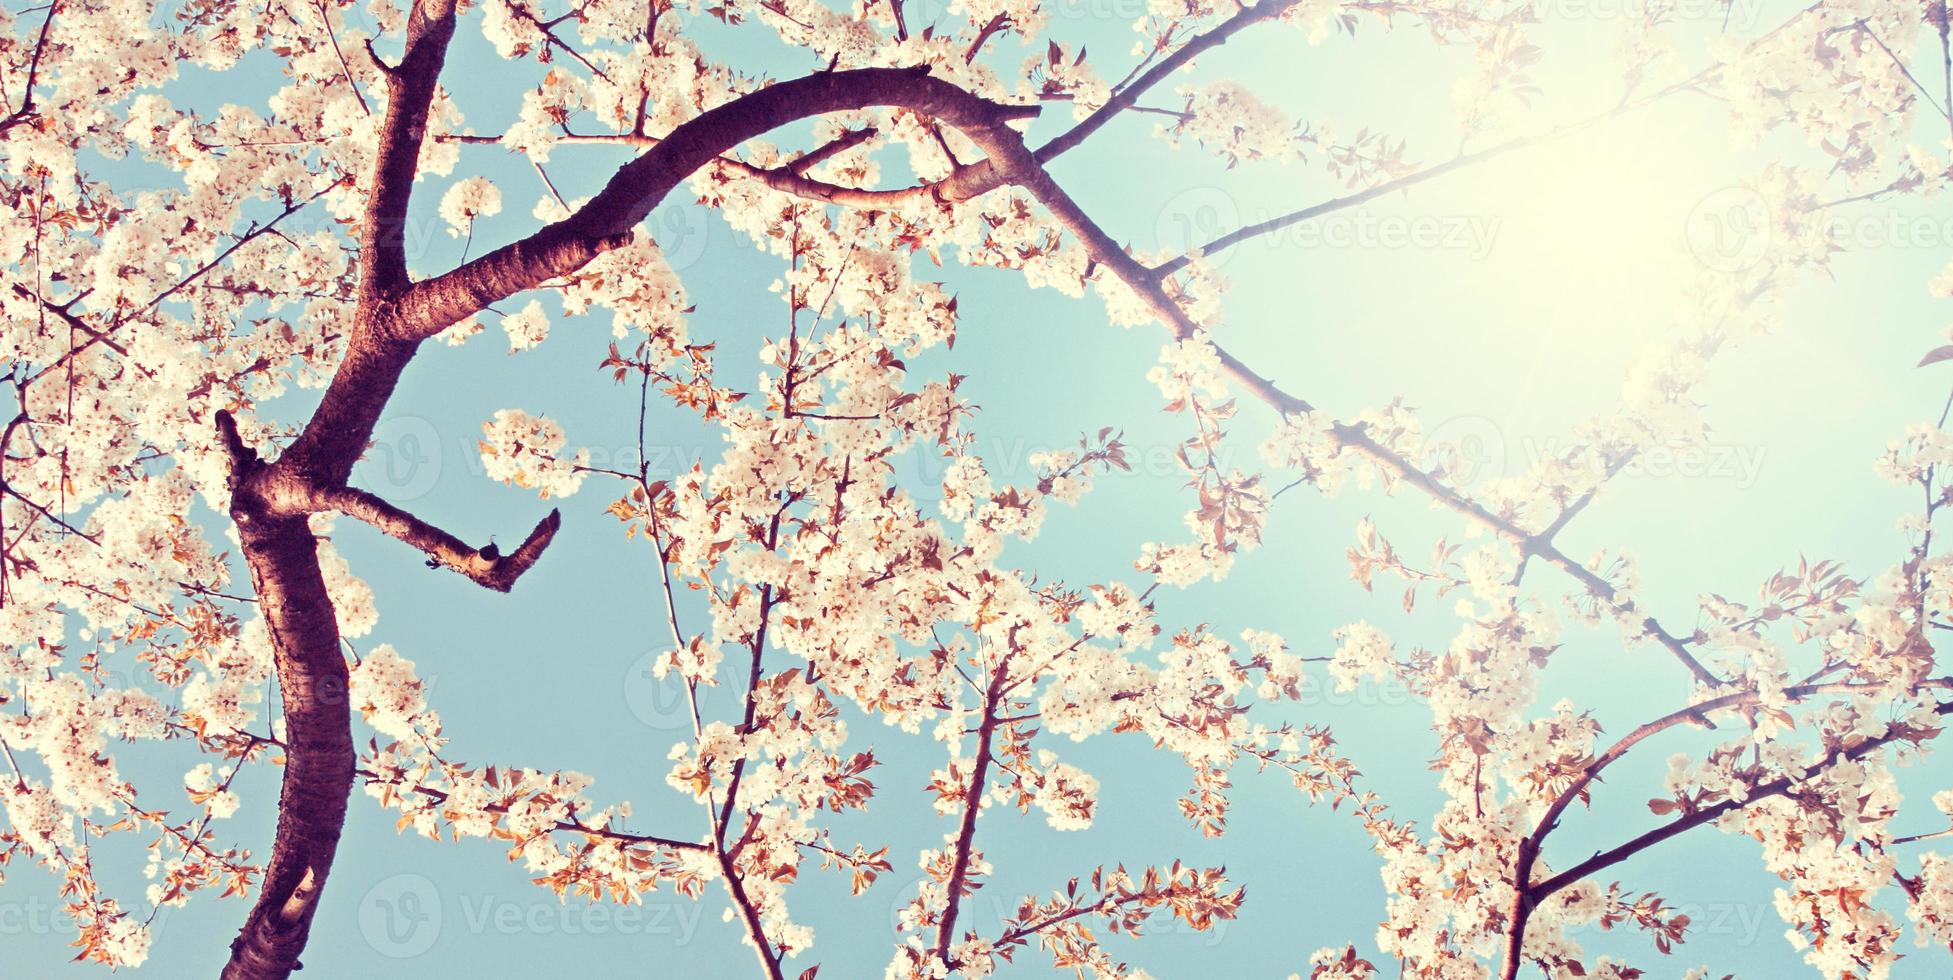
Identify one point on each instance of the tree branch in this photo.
(1461, 161)
(962, 184)
(1126, 97)
(832, 148)
(965, 181)
(485, 565)
(605, 222)
(312, 683)
(1022, 168)
(1524, 897)
(26, 110)
(972, 805)
(410, 94)
(1533, 893)
(66, 315)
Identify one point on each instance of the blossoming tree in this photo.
(154, 329)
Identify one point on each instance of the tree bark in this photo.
(284, 561)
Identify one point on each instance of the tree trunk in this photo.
(283, 556)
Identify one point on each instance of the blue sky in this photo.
(1572, 264)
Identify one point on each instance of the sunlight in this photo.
(1604, 218)
(1599, 236)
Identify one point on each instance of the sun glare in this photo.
(1596, 239)
(1602, 221)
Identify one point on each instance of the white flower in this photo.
(1190, 368)
(520, 449)
(387, 693)
(1067, 795)
(467, 199)
(526, 327)
(126, 942)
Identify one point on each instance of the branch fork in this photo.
(260, 490)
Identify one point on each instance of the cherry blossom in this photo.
(200, 356)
